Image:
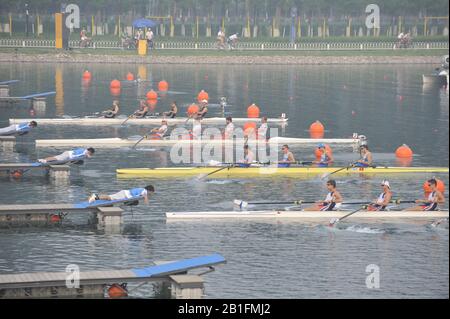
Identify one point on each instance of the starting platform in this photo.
(7, 143)
(56, 172)
(106, 213)
(38, 100)
(111, 283)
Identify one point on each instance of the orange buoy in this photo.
(316, 134)
(115, 84)
(192, 109)
(114, 91)
(404, 161)
(152, 95)
(17, 174)
(55, 218)
(249, 126)
(87, 75)
(117, 291)
(130, 76)
(152, 104)
(253, 111)
(404, 151)
(202, 95)
(427, 189)
(318, 153)
(316, 127)
(163, 85)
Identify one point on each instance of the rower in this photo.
(126, 194)
(111, 113)
(366, 157)
(173, 111)
(76, 156)
(18, 129)
(161, 131)
(332, 200)
(229, 129)
(288, 157)
(143, 110)
(196, 130)
(248, 157)
(383, 200)
(203, 110)
(433, 200)
(325, 158)
(262, 130)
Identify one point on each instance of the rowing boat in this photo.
(307, 215)
(266, 171)
(143, 121)
(120, 142)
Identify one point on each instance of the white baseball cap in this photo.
(385, 183)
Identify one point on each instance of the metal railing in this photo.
(212, 45)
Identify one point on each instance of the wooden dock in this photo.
(110, 283)
(56, 172)
(7, 143)
(43, 214)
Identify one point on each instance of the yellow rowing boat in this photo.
(266, 171)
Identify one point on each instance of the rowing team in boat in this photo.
(141, 112)
(325, 158)
(333, 199)
(196, 132)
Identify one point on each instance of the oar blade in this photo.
(240, 203)
(333, 222)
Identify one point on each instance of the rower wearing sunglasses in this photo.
(366, 157)
(288, 157)
(383, 200)
(433, 200)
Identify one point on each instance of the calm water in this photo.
(388, 104)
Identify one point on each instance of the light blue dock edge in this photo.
(37, 95)
(9, 82)
(99, 203)
(179, 266)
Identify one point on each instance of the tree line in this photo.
(255, 9)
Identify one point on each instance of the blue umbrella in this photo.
(144, 23)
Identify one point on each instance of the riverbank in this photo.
(36, 55)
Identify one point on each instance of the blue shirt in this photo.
(23, 127)
(138, 192)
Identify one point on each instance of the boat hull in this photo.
(146, 121)
(308, 216)
(119, 142)
(265, 171)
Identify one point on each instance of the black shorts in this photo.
(429, 206)
(327, 206)
(376, 208)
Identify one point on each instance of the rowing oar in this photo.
(129, 117)
(200, 177)
(134, 146)
(244, 204)
(438, 222)
(336, 220)
(336, 171)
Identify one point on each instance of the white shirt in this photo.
(262, 131)
(197, 130)
(229, 130)
(233, 37)
(162, 130)
(249, 157)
